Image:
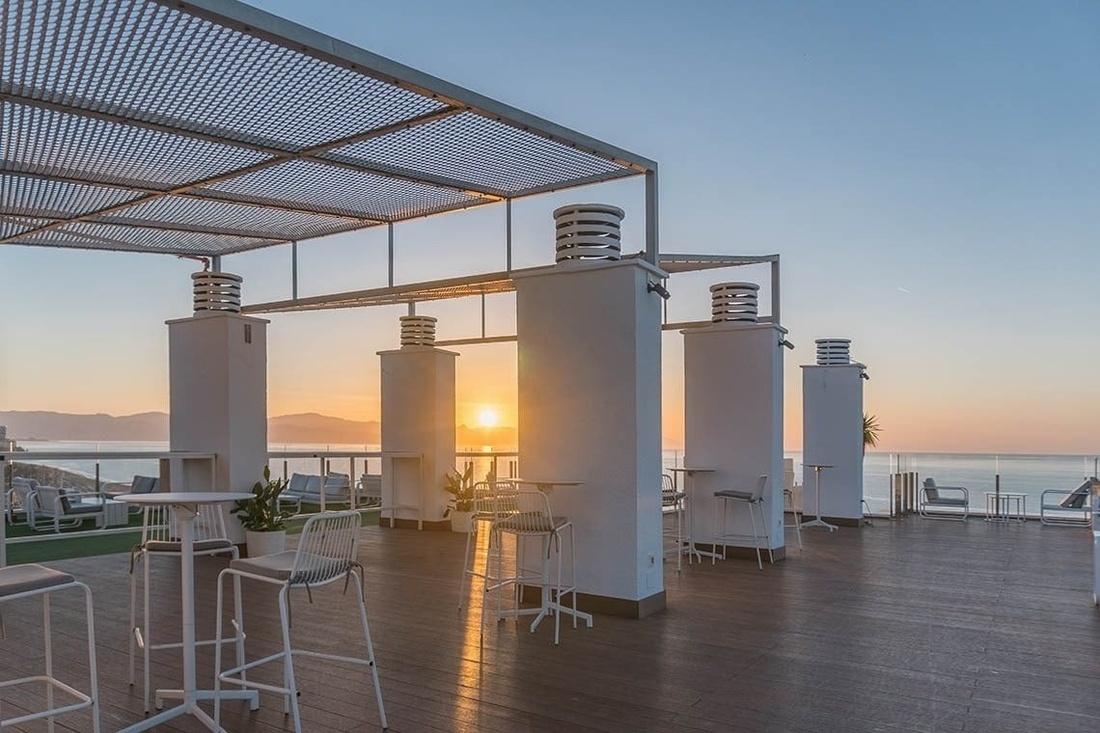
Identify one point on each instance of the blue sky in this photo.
(927, 171)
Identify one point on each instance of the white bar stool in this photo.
(27, 581)
(754, 499)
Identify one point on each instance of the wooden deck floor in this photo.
(905, 626)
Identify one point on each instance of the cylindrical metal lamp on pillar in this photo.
(831, 352)
(735, 302)
(219, 292)
(587, 232)
(417, 331)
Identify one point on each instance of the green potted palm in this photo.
(460, 507)
(871, 431)
(263, 517)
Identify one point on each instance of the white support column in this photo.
(733, 424)
(590, 408)
(418, 426)
(832, 433)
(218, 391)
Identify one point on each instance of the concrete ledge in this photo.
(443, 526)
(605, 605)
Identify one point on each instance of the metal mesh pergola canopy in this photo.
(210, 127)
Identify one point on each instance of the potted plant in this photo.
(460, 507)
(262, 516)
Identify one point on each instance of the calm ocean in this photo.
(1024, 474)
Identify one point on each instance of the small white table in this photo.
(184, 507)
(689, 492)
(819, 522)
(1002, 506)
(547, 605)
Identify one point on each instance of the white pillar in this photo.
(733, 424)
(217, 375)
(832, 433)
(418, 426)
(590, 410)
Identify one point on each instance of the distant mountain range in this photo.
(153, 426)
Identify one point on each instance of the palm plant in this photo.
(871, 431)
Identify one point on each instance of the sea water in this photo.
(979, 472)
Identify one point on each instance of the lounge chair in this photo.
(139, 485)
(1067, 508)
(22, 493)
(933, 504)
(306, 488)
(67, 508)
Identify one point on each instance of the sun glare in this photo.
(487, 417)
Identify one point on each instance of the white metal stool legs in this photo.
(26, 581)
(788, 498)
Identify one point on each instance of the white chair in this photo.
(22, 497)
(27, 581)
(490, 500)
(934, 504)
(672, 502)
(526, 514)
(755, 500)
(327, 553)
(160, 537)
(56, 508)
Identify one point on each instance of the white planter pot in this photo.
(265, 543)
(460, 521)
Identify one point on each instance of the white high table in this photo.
(819, 522)
(546, 486)
(184, 507)
(689, 491)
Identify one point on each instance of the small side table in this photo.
(1001, 506)
(818, 522)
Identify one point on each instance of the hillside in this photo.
(153, 426)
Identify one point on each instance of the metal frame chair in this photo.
(160, 536)
(61, 507)
(490, 503)
(27, 581)
(327, 552)
(672, 502)
(754, 499)
(1070, 509)
(526, 514)
(929, 496)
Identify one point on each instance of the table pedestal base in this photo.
(819, 522)
(190, 706)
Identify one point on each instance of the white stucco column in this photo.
(217, 374)
(832, 433)
(590, 410)
(733, 421)
(418, 427)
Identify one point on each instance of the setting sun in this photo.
(487, 417)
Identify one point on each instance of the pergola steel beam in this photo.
(225, 105)
(283, 32)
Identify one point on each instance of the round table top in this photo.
(820, 465)
(544, 482)
(690, 469)
(185, 498)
